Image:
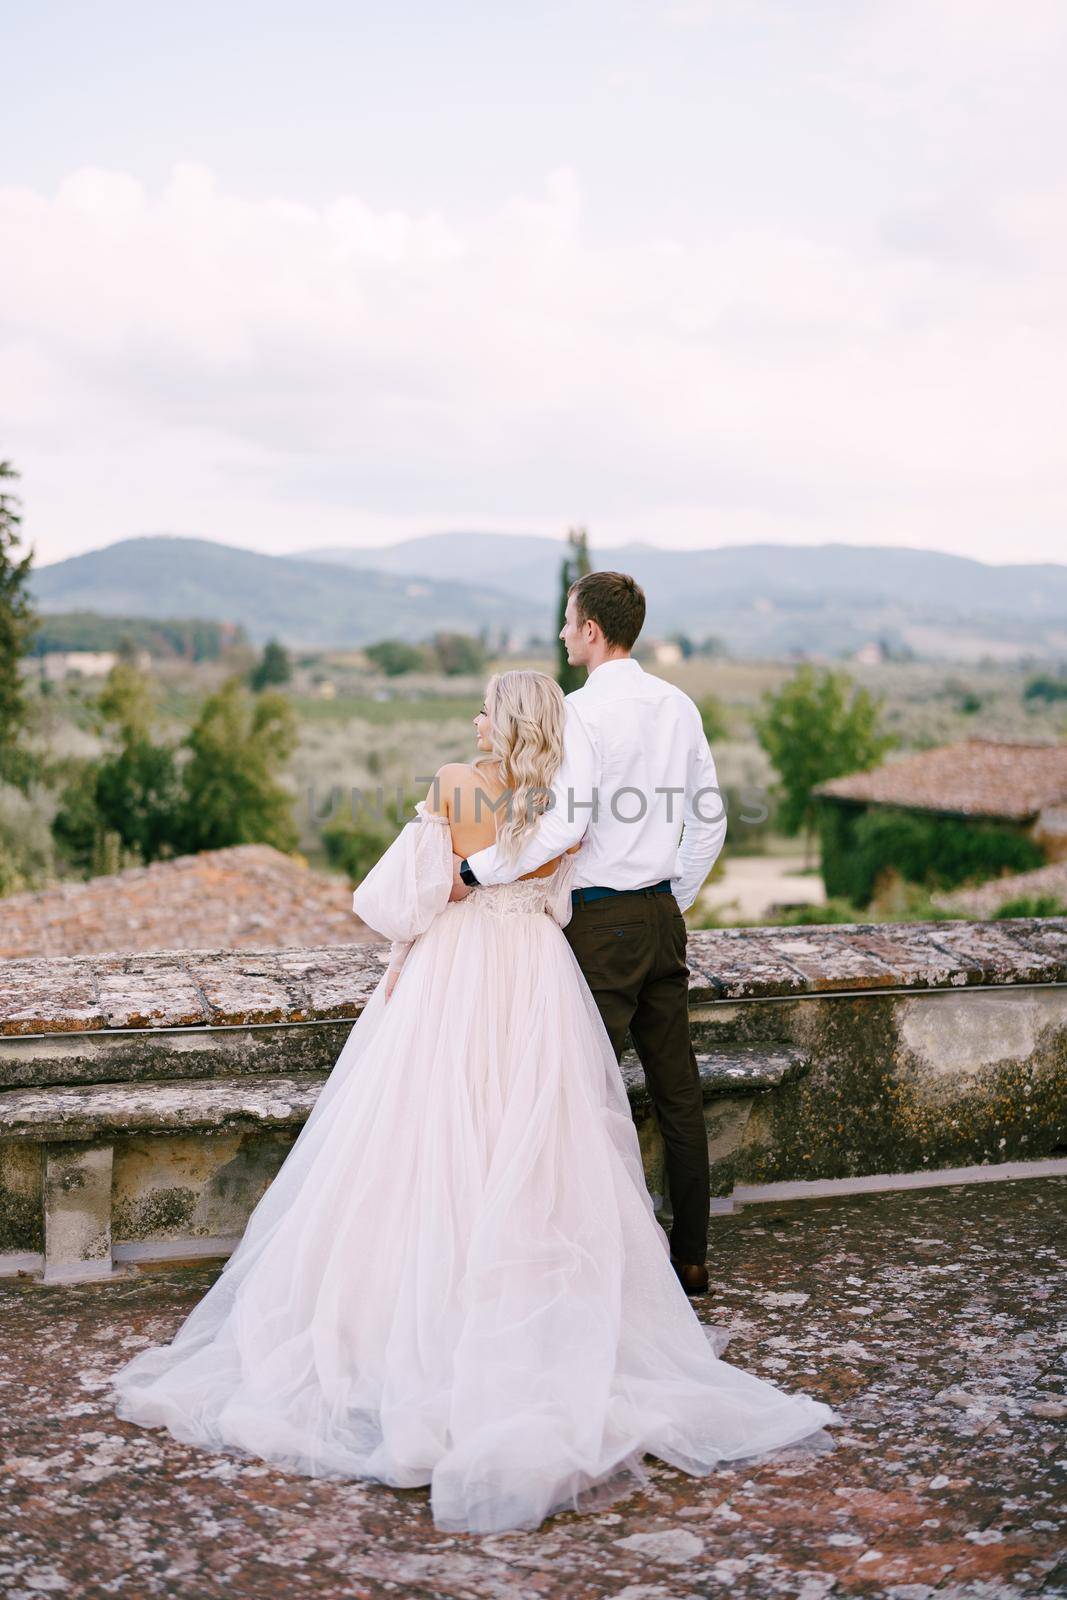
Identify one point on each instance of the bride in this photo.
(456, 1277)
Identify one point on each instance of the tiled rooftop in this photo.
(988, 897)
(247, 895)
(977, 777)
(933, 1320)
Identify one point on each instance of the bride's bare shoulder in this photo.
(450, 782)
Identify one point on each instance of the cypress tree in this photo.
(575, 565)
(17, 622)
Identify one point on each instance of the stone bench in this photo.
(62, 1113)
(76, 1128)
(739, 1070)
(70, 1113)
(147, 1101)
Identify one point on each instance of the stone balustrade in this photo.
(146, 1101)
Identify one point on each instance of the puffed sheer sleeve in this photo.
(410, 884)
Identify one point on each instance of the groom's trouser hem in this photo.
(631, 949)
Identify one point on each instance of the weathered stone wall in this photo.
(147, 1101)
(903, 1083)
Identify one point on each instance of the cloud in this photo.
(285, 374)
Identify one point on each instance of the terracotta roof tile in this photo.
(245, 896)
(986, 898)
(977, 777)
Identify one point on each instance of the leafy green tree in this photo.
(395, 657)
(231, 794)
(125, 702)
(1046, 688)
(134, 805)
(123, 808)
(817, 726)
(125, 791)
(575, 565)
(714, 718)
(138, 794)
(458, 653)
(17, 622)
(27, 852)
(273, 667)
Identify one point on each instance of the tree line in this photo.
(145, 797)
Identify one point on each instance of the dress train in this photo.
(457, 1278)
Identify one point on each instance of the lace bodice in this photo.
(410, 885)
(524, 896)
(510, 899)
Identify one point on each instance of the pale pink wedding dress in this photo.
(456, 1277)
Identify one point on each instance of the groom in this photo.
(636, 766)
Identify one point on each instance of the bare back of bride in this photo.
(457, 1278)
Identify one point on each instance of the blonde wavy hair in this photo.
(526, 715)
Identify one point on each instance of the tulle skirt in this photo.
(456, 1277)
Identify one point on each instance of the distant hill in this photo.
(765, 599)
(302, 602)
(760, 599)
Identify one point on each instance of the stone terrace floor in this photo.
(929, 1319)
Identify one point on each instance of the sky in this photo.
(699, 273)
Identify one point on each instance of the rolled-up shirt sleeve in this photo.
(565, 820)
(704, 825)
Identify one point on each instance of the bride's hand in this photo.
(390, 981)
(460, 890)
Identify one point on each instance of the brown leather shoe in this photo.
(693, 1278)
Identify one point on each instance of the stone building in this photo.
(960, 814)
(1021, 784)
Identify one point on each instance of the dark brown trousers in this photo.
(631, 949)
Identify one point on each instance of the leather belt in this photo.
(597, 891)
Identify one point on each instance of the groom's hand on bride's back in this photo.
(460, 890)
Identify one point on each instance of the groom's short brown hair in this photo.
(614, 602)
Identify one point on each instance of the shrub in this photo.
(936, 852)
(26, 851)
(714, 718)
(395, 656)
(354, 847)
(1033, 905)
(458, 653)
(1046, 688)
(354, 844)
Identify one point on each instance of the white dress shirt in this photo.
(637, 784)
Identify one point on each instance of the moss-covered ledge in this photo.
(199, 988)
(146, 1101)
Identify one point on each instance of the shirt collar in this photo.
(618, 666)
